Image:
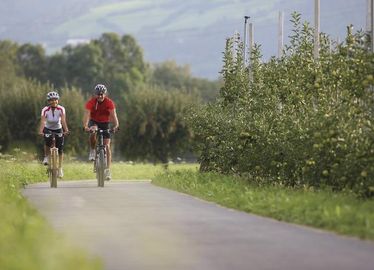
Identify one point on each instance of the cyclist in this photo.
(53, 119)
(100, 112)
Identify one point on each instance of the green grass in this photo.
(337, 212)
(26, 240)
(120, 170)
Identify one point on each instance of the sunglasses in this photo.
(101, 94)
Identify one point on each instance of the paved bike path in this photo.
(136, 226)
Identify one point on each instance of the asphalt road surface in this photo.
(134, 225)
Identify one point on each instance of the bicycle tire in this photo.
(100, 168)
(54, 167)
(54, 178)
(97, 171)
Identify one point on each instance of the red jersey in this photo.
(100, 111)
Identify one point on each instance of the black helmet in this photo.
(100, 89)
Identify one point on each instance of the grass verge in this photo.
(26, 239)
(337, 212)
(120, 170)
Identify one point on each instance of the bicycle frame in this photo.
(52, 169)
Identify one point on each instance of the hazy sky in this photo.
(191, 32)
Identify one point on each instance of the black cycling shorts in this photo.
(100, 125)
(59, 140)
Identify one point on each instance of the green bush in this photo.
(154, 127)
(294, 120)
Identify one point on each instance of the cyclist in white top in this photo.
(53, 119)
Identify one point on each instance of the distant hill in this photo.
(191, 32)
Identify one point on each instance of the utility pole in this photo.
(245, 39)
(280, 33)
(316, 28)
(368, 16)
(251, 41)
(369, 23)
(251, 44)
(371, 10)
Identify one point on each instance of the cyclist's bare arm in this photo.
(41, 126)
(86, 119)
(114, 119)
(64, 125)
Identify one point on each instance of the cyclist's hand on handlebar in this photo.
(115, 129)
(91, 129)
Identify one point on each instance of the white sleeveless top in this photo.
(53, 117)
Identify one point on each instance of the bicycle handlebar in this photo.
(109, 130)
(49, 134)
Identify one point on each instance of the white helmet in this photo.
(100, 89)
(53, 95)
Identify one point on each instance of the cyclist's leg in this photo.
(107, 173)
(108, 152)
(60, 145)
(46, 149)
(92, 140)
(47, 144)
(60, 161)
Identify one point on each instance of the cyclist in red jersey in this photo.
(100, 112)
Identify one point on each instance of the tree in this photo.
(123, 62)
(84, 65)
(154, 125)
(172, 77)
(32, 60)
(57, 71)
(133, 55)
(8, 65)
(169, 75)
(73, 101)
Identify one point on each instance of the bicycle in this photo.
(100, 162)
(52, 169)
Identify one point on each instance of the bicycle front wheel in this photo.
(54, 167)
(100, 167)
